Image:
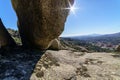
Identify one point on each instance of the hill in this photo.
(109, 41)
(75, 43)
(82, 45)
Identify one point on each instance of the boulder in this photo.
(118, 48)
(55, 44)
(40, 21)
(5, 38)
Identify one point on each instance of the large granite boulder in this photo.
(5, 38)
(40, 21)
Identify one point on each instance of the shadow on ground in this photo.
(18, 63)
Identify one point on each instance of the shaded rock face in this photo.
(19, 65)
(40, 21)
(5, 38)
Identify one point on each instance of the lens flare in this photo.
(72, 8)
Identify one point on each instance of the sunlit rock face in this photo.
(40, 21)
(55, 44)
(5, 38)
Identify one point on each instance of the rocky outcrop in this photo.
(41, 21)
(26, 64)
(118, 48)
(69, 65)
(5, 38)
(56, 45)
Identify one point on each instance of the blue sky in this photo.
(93, 16)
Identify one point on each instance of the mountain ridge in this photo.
(97, 35)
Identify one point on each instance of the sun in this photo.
(72, 8)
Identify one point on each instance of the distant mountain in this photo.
(112, 35)
(94, 35)
(85, 36)
(97, 36)
(108, 41)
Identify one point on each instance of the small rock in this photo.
(40, 74)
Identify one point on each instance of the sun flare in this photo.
(72, 8)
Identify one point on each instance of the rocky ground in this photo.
(58, 65)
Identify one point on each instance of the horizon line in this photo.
(72, 35)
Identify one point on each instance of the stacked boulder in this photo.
(40, 22)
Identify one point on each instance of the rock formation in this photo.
(5, 38)
(118, 48)
(55, 45)
(40, 21)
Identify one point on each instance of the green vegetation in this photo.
(90, 47)
(17, 40)
(15, 35)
